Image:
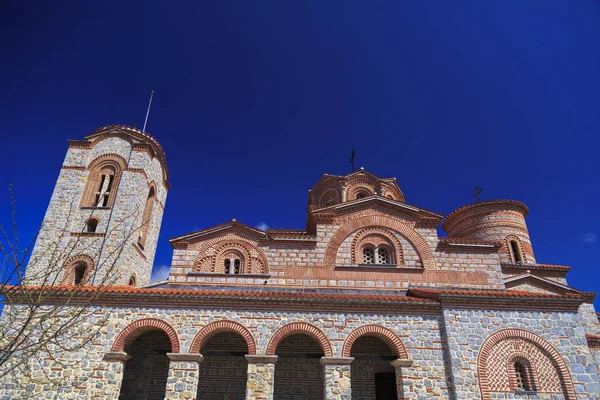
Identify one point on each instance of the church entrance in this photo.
(223, 373)
(385, 386)
(298, 372)
(145, 374)
(373, 377)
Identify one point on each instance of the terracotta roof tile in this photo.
(466, 241)
(548, 267)
(434, 293)
(223, 293)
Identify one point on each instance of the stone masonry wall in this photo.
(467, 330)
(420, 334)
(63, 235)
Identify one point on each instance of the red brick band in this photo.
(139, 327)
(484, 372)
(387, 335)
(214, 328)
(354, 225)
(300, 328)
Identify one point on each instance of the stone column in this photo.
(116, 361)
(337, 377)
(261, 377)
(182, 382)
(398, 364)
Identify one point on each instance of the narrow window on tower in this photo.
(79, 273)
(236, 266)
(227, 264)
(91, 225)
(514, 247)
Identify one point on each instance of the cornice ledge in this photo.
(185, 357)
(261, 359)
(336, 360)
(113, 356)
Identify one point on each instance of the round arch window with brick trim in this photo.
(77, 270)
(541, 366)
(231, 257)
(375, 245)
(214, 328)
(300, 328)
(329, 197)
(422, 248)
(514, 248)
(387, 335)
(91, 225)
(103, 180)
(139, 327)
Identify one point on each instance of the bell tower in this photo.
(103, 221)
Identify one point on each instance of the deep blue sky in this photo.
(256, 100)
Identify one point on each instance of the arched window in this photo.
(146, 217)
(79, 272)
(383, 255)
(368, 255)
(234, 262)
(132, 280)
(379, 254)
(523, 375)
(102, 181)
(91, 225)
(362, 193)
(515, 251)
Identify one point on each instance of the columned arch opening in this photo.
(298, 372)
(223, 373)
(373, 377)
(145, 374)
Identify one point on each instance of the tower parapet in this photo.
(494, 220)
(102, 224)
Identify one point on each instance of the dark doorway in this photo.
(298, 373)
(373, 377)
(223, 373)
(385, 386)
(146, 372)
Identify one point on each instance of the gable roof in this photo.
(341, 208)
(231, 225)
(538, 281)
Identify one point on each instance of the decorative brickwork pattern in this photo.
(213, 253)
(137, 328)
(386, 335)
(214, 328)
(354, 225)
(549, 372)
(303, 328)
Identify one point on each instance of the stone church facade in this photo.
(367, 302)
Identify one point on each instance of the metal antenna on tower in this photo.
(477, 193)
(148, 112)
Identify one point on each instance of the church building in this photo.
(367, 302)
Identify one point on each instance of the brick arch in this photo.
(300, 328)
(354, 225)
(214, 328)
(387, 335)
(141, 326)
(69, 268)
(255, 257)
(549, 350)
